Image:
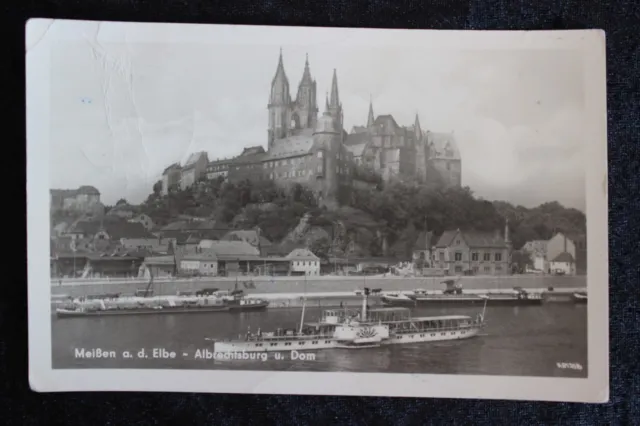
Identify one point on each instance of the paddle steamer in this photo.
(366, 328)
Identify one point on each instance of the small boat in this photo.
(579, 297)
(343, 329)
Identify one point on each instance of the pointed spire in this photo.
(370, 119)
(326, 106)
(306, 75)
(279, 84)
(417, 129)
(335, 97)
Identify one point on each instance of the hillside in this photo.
(369, 222)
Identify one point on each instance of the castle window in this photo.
(458, 257)
(448, 166)
(319, 169)
(319, 154)
(498, 257)
(270, 175)
(474, 256)
(487, 257)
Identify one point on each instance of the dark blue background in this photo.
(620, 20)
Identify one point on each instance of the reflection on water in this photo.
(525, 341)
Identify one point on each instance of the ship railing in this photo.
(436, 329)
(255, 338)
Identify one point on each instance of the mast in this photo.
(484, 308)
(146, 292)
(304, 304)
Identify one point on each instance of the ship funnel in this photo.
(365, 296)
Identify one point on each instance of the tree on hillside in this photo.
(121, 201)
(321, 248)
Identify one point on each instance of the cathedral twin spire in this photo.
(287, 116)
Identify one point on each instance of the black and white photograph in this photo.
(334, 211)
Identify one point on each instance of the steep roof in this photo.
(252, 150)
(250, 236)
(160, 260)
(193, 158)
(174, 166)
(124, 229)
(388, 124)
(564, 257)
(302, 254)
(230, 249)
(473, 239)
(358, 129)
(249, 158)
(200, 256)
(292, 146)
(443, 145)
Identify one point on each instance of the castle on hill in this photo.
(317, 152)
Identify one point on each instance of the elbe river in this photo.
(548, 340)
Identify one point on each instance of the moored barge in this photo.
(454, 295)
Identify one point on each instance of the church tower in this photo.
(335, 106)
(279, 105)
(305, 108)
(417, 129)
(327, 142)
(371, 118)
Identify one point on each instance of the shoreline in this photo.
(336, 299)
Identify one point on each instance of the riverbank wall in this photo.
(322, 284)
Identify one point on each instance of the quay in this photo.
(268, 286)
(350, 298)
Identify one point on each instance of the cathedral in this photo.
(303, 147)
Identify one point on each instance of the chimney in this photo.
(506, 232)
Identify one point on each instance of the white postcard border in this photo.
(41, 33)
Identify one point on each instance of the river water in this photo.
(517, 341)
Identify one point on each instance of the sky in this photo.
(123, 111)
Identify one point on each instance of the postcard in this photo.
(318, 211)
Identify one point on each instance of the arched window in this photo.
(295, 121)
